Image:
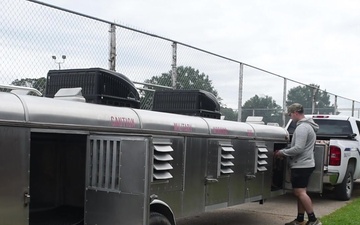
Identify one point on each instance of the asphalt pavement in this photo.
(275, 211)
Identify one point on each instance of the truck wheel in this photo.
(158, 219)
(344, 190)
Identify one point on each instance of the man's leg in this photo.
(304, 201)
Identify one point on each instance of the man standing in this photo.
(302, 162)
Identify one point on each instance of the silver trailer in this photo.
(67, 162)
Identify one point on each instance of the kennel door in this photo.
(117, 180)
(316, 179)
(14, 175)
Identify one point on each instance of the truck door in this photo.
(316, 179)
(14, 175)
(117, 180)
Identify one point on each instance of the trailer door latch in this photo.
(250, 176)
(26, 199)
(211, 180)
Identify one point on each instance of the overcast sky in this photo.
(308, 41)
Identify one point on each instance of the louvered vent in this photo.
(262, 158)
(226, 157)
(162, 161)
(104, 159)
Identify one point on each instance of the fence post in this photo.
(241, 78)
(173, 65)
(335, 106)
(284, 102)
(353, 108)
(112, 57)
(314, 97)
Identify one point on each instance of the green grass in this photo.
(347, 215)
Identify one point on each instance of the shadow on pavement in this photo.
(275, 211)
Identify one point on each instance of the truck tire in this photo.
(344, 190)
(158, 219)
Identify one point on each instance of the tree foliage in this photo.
(262, 106)
(305, 95)
(37, 83)
(187, 78)
(229, 113)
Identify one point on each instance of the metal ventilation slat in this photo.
(227, 163)
(227, 149)
(163, 148)
(227, 156)
(262, 156)
(262, 149)
(164, 175)
(163, 157)
(262, 162)
(162, 166)
(226, 171)
(261, 168)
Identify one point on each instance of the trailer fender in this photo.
(161, 207)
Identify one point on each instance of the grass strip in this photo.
(347, 215)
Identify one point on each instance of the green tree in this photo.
(187, 78)
(262, 106)
(37, 83)
(305, 94)
(229, 113)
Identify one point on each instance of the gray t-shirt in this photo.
(301, 152)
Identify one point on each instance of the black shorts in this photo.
(300, 177)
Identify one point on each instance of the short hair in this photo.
(296, 107)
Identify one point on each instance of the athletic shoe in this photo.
(317, 222)
(295, 222)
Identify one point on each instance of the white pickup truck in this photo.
(337, 154)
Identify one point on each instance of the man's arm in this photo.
(300, 134)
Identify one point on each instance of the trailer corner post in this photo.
(173, 65)
(241, 78)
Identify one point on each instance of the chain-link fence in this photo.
(37, 37)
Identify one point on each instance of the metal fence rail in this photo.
(37, 37)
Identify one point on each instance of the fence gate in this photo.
(117, 180)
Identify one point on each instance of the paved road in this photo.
(275, 211)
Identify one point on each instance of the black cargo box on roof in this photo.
(98, 85)
(187, 102)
